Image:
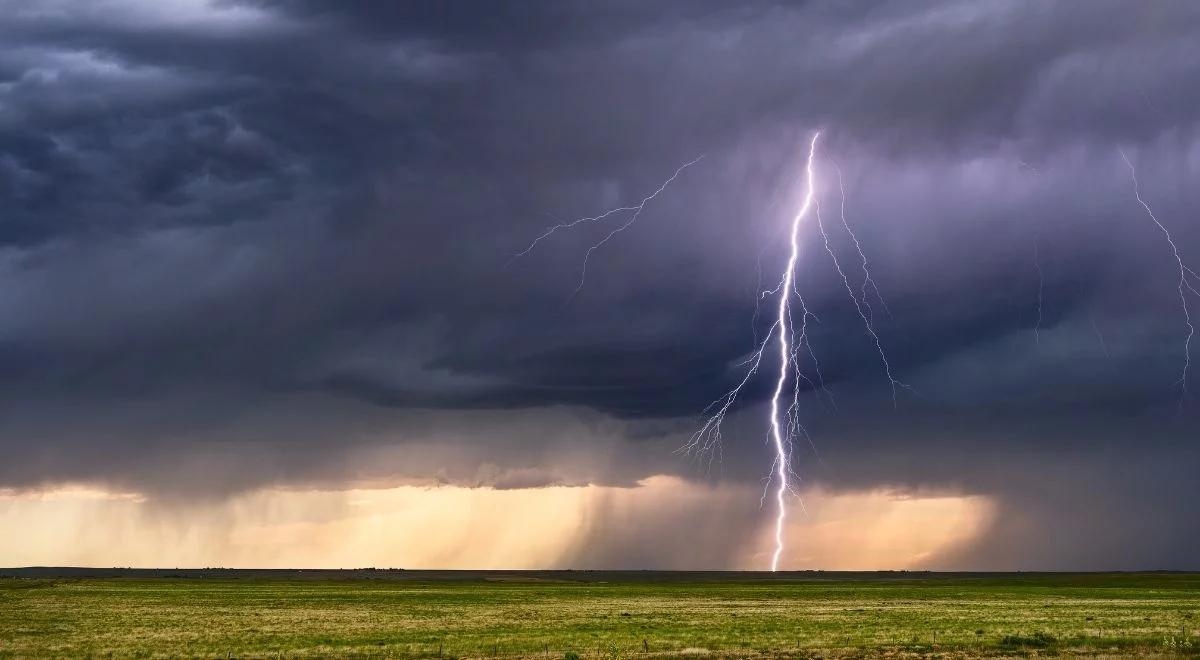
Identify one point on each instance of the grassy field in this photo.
(561, 615)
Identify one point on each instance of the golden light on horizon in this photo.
(881, 530)
(485, 528)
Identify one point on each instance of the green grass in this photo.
(946, 616)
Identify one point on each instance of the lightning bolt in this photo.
(784, 420)
(1183, 286)
(792, 337)
(788, 337)
(782, 448)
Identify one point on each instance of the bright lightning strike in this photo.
(782, 450)
(708, 438)
(792, 336)
(790, 330)
(1183, 286)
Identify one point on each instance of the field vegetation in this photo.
(561, 615)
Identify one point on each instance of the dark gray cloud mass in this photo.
(255, 243)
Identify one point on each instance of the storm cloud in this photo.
(252, 244)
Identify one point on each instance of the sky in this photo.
(258, 301)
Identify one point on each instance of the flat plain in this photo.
(592, 614)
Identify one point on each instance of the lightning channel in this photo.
(786, 340)
(782, 449)
(789, 334)
(783, 422)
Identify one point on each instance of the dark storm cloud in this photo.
(270, 236)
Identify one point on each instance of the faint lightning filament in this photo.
(1183, 286)
(637, 213)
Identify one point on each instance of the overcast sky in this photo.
(248, 245)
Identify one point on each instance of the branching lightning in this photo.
(787, 339)
(782, 449)
(1184, 286)
(788, 334)
(707, 440)
(793, 337)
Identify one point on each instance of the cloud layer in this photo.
(258, 244)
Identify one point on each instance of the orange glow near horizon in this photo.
(483, 528)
